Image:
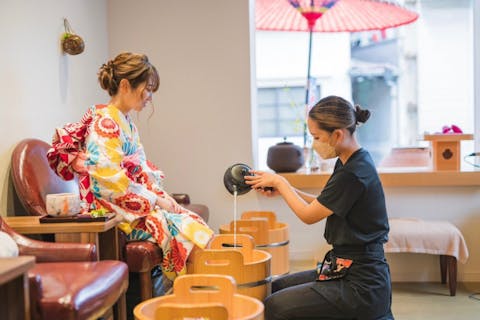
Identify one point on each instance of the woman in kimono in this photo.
(105, 151)
(353, 281)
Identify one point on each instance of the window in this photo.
(281, 111)
(414, 79)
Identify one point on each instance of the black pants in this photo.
(363, 294)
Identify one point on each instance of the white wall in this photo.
(40, 88)
(202, 119)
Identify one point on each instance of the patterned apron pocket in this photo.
(332, 267)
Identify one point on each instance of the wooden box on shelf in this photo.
(446, 150)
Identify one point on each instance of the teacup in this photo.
(62, 204)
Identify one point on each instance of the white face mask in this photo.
(324, 149)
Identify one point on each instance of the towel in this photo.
(8, 247)
(432, 237)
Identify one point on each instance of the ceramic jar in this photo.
(285, 157)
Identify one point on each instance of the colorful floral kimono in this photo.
(121, 180)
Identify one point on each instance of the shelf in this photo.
(395, 177)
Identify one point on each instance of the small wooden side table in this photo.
(102, 234)
(14, 292)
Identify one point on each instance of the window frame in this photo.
(476, 73)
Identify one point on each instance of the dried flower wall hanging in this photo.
(71, 43)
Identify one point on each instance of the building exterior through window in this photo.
(415, 78)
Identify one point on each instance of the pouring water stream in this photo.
(235, 216)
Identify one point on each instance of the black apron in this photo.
(364, 292)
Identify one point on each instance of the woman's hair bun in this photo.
(361, 115)
(106, 77)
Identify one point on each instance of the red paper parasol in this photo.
(343, 16)
(329, 16)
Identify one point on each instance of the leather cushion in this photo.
(79, 290)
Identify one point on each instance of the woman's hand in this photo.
(176, 207)
(166, 202)
(264, 182)
(78, 164)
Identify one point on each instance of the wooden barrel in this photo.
(249, 267)
(269, 234)
(202, 295)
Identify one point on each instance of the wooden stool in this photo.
(201, 295)
(432, 237)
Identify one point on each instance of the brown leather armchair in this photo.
(68, 283)
(33, 180)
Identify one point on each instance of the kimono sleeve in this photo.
(153, 175)
(66, 143)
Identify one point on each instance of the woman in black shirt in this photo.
(353, 281)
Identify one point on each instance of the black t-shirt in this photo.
(355, 195)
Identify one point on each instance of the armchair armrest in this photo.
(142, 256)
(181, 198)
(51, 251)
(56, 251)
(184, 200)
